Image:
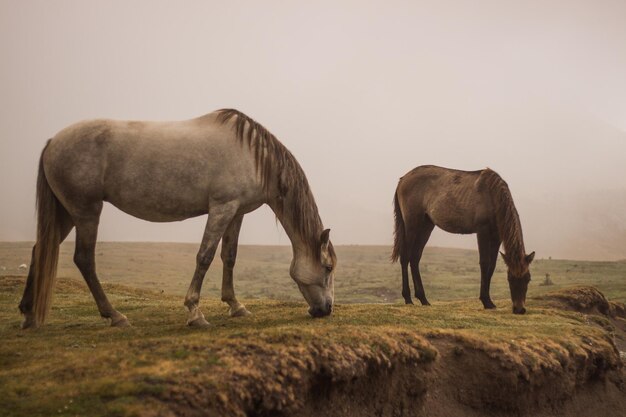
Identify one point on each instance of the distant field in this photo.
(364, 273)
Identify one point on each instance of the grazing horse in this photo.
(460, 202)
(223, 164)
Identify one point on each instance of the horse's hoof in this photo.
(29, 322)
(240, 312)
(408, 302)
(197, 319)
(199, 323)
(489, 305)
(120, 321)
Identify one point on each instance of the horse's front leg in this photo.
(220, 216)
(488, 245)
(229, 255)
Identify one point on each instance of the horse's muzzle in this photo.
(321, 311)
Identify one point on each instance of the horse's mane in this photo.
(276, 165)
(507, 219)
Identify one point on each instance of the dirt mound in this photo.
(609, 315)
(383, 377)
(481, 379)
(402, 374)
(588, 300)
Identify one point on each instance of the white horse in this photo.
(224, 164)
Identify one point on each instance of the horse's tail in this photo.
(399, 248)
(50, 215)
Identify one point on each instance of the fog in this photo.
(360, 92)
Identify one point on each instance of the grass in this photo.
(77, 365)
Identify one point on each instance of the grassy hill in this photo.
(452, 358)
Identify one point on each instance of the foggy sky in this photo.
(360, 92)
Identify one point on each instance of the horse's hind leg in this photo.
(488, 245)
(229, 255)
(422, 234)
(85, 260)
(406, 290)
(220, 217)
(26, 305)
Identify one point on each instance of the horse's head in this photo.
(519, 277)
(315, 277)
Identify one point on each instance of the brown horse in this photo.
(223, 164)
(460, 202)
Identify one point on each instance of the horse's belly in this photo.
(459, 229)
(453, 218)
(156, 207)
(177, 198)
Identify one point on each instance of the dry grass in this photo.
(76, 365)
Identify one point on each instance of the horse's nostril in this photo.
(322, 311)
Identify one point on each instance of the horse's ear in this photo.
(506, 260)
(529, 258)
(325, 237)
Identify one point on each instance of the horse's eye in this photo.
(329, 268)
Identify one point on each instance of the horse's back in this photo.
(158, 171)
(431, 180)
(449, 197)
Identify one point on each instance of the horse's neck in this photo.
(511, 235)
(300, 244)
(513, 244)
